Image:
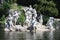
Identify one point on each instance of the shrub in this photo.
(21, 18)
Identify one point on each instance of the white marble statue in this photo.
(28, 17)
(34, 15)
(8, 22)
(11, 19)
(30, 8)
(15, 16)
(31, 15)
(41, 19)
(50, 22)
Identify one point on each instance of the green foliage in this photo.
(4, 8)
(55, 23)
(21, 18)
(2, 18)
(35, 6)
(3, 11)
(13, 6)
(45, 19)
(11, 1)
(46, 7)
(19, 7)
(2, 21)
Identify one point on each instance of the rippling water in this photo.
(48, 35)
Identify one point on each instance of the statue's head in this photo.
(9, 15)
(52, 18)
(30, 6)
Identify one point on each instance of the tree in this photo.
(11, 1)
(3, 9)
(46, 7)
(58, 7)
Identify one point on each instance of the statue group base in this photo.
(30, 20)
